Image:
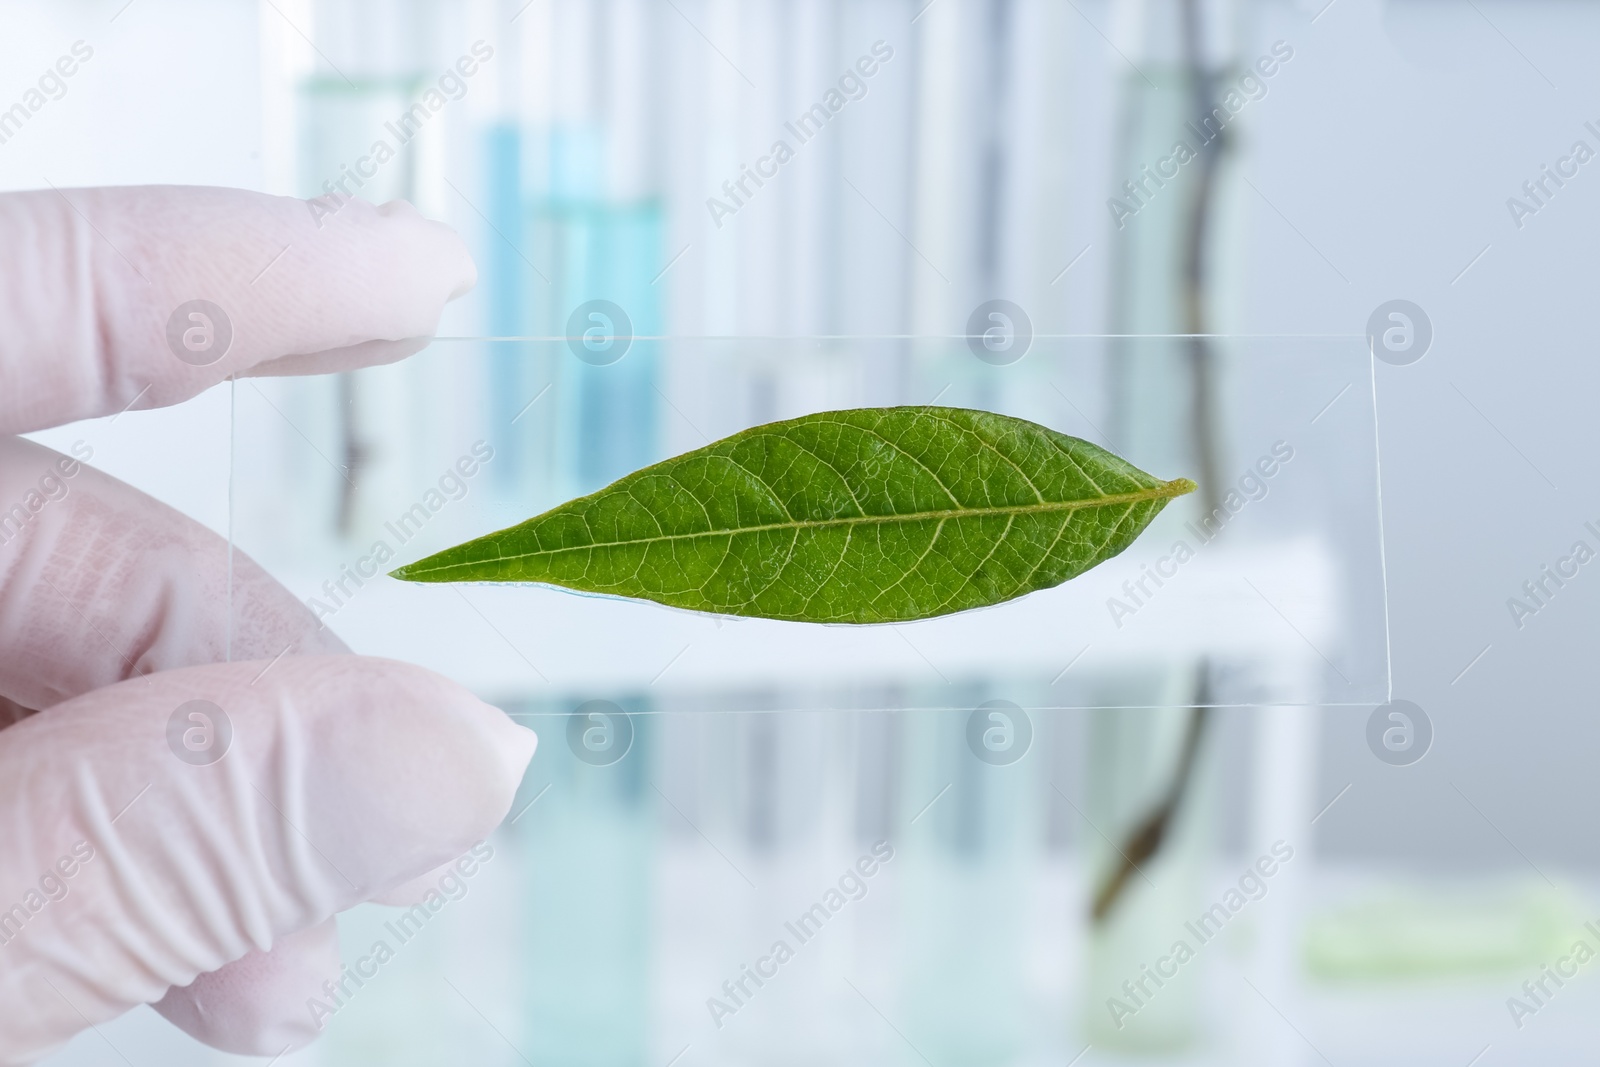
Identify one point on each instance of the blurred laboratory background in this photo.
(1307, 253)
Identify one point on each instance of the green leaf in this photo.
(863, 516)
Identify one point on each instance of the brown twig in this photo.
(1150, 832)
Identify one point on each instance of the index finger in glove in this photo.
(149, 295)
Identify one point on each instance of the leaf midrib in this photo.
(1164, 491)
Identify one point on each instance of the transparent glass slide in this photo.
(836, 811)
(1279, 591)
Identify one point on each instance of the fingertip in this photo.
(440, 249)
(458, 263)
(512, 746)
(399, 209)
(519, 745)
(417, 762)
(338, 360)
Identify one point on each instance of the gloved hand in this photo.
(133, 869)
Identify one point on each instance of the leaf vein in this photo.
(967, 582)
(903, 451)
(1164, 491)
(892, 586)
(969, 431)
(843, 552)
(771, 492)
(837, 472)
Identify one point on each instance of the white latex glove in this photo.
(127, 875)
